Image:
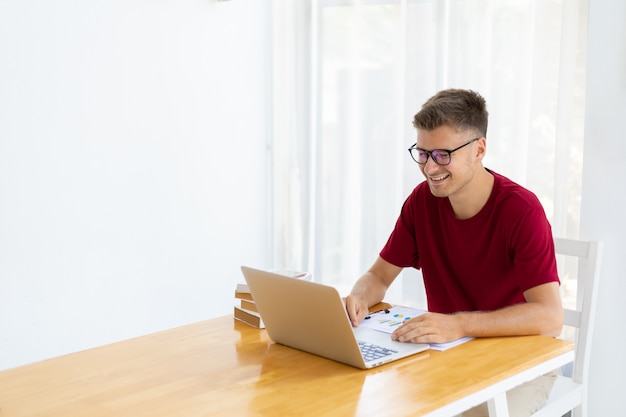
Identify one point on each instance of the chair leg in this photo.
(498, 406)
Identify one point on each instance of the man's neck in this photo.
(474, 196)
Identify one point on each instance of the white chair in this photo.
(570, 392)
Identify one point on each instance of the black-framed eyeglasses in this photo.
(440, 156)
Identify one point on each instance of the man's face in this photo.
(451, 179)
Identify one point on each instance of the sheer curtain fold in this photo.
(289, 144)
(348, 77)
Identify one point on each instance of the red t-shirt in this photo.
(478, 264)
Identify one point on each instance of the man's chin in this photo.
(437, 191)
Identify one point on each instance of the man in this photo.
(482, 242)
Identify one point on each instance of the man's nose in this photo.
(430, 165)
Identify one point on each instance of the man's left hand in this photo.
(430, 328)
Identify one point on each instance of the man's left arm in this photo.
(541, 314)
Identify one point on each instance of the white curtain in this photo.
(348, 76)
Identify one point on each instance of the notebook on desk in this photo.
(312, 317)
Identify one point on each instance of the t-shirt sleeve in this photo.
(533, 253)
(401, 247)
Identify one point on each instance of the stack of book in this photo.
(246, 310)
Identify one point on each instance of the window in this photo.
(344, 170)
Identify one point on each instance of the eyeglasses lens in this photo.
(440, 157)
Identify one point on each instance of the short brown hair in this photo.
(459, 109)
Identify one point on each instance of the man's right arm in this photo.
(370, 289)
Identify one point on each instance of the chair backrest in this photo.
(581, 317)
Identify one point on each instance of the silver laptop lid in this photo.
(304, 315)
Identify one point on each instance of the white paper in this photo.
(389, 320)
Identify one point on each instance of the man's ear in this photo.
(481, 148)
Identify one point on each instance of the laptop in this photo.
(312, 317)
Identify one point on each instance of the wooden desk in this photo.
(221, 367)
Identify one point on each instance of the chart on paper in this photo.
(389, 320)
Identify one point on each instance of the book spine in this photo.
(242, 295)
(249, 305)
(249, 317)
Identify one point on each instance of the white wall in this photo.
(132, 167)
(604, 199)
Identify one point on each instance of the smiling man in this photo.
(482, 242)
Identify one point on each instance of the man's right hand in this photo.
(357, 309)
(370, 289)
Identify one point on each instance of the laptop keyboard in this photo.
(372, 352)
